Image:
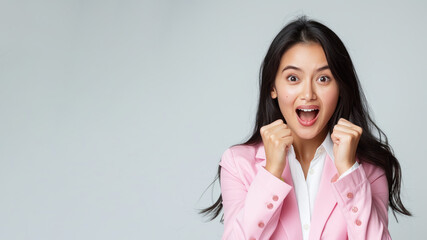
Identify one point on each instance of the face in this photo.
(307, 92)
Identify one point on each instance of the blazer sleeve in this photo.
(364, 203)
(250, 212)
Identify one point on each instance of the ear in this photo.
(273, 93)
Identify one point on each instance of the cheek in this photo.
(286, 102)
(330, 101)
(288, 94)
(286, 98)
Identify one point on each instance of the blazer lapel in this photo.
(289, 216)
(325, 201)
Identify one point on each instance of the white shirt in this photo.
(306, 189)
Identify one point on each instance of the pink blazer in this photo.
(257, 205)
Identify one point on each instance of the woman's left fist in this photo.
(345, 136)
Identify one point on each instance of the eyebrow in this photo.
(299, 69)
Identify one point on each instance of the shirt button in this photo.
(358, 222)
(306, 226)
(261, 224)
(311, 171)
(334, 178)
(354, 209)
(270, 206)
(349, 195)
(275, 198)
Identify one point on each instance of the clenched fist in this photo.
(277, 139)
(346, 137)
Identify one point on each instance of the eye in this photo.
(292, 78)
(324, 79)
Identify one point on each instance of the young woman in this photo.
(313, 168)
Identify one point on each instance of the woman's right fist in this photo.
(277, 139)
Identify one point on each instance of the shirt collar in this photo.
(327, 145)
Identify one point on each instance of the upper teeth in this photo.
(307, 110)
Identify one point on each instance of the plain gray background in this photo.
(114, 114)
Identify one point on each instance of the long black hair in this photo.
(373, 145)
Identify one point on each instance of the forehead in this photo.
(304, 55)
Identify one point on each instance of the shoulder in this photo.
(372, 171)
(239, 157)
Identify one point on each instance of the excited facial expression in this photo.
(306, 90)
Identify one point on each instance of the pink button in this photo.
(275, 198)
(252, 238)
(261, 224)
(270, 206)
(354, 209)
(358, 222)
(350, 195)
(334, 178)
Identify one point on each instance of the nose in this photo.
(308, 92)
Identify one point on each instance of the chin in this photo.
(307, 134)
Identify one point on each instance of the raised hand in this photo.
(277, 139)
(345, 136)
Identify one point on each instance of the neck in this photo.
(306, 148)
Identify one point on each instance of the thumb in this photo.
(335, 139)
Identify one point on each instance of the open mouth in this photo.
(307, 115)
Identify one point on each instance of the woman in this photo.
(313, 168)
